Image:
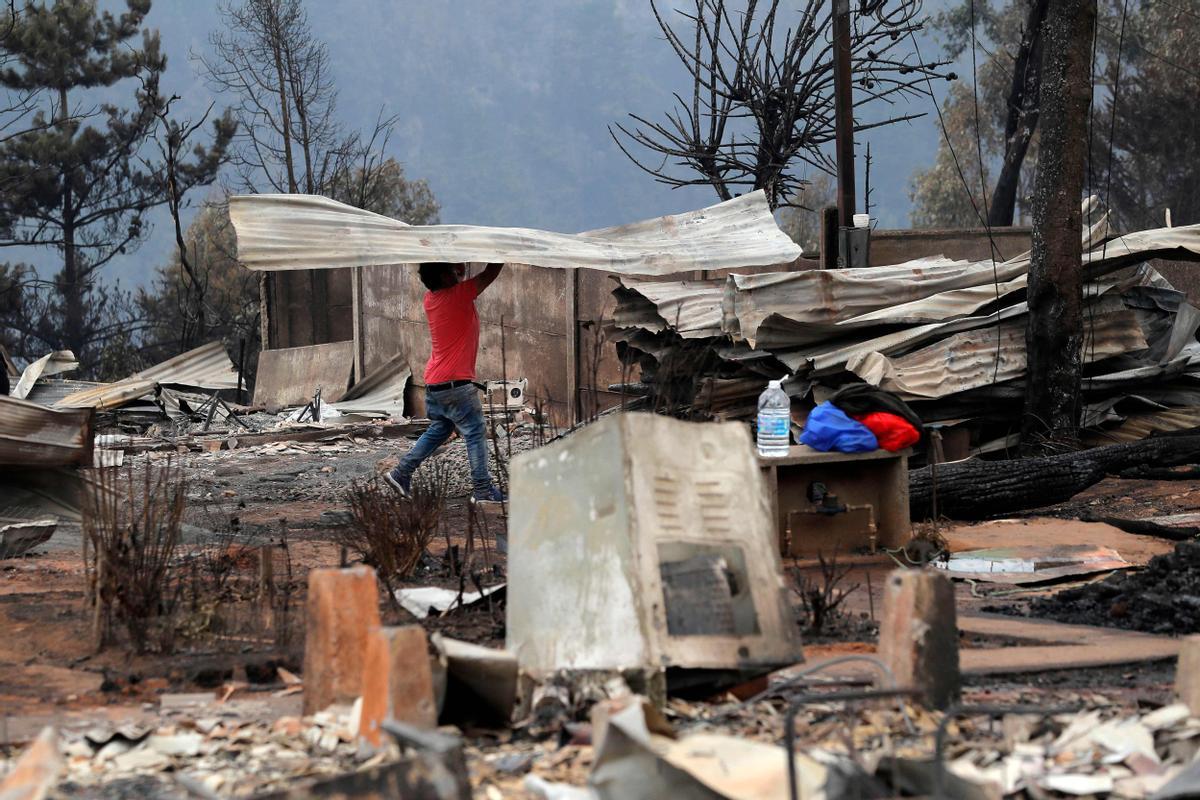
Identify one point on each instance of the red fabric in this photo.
(454, 331)
(893, 431)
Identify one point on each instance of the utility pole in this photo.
(843, 110)
(1054, 336)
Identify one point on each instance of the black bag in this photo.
(863, 398)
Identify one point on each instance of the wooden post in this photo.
(843, 100)
(918, 634)
(829, 238)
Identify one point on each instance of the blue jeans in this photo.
(448, 410)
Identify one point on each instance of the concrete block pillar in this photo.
(1187, 673)
(36, 771)
(397, 681)
(918, 634)
(343, 606)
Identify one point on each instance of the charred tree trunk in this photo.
(1054, 337)
(1022, 115)
(971, 489)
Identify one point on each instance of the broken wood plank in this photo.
(290, 376)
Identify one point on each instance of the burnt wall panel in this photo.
(310, 307)
(972, 244)
(533, 301)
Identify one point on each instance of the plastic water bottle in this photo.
(774, 421)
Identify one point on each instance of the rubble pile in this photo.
(215, 752)
(1162, 598)
(868, 749)
(946, 336)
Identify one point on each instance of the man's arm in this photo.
(485, 278)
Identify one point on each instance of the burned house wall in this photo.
(552, 318)
(307, 307)
(971, 244)
(534, 303)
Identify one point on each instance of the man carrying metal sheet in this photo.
(451, 394)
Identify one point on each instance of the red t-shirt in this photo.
(454, 330)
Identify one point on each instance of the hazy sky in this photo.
(504, 107)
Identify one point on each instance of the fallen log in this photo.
(1147, 527)
(974, 489)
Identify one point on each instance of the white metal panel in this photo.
(295, 231)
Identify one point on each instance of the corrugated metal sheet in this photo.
(690, 308)
(977, 358)
(1138, 426)
(32, 435)
(287, 232)
(206, 367)
(634, 310)
(52, 363)
(832, 355)
(49, 391)
(801, 307)
(381, 391)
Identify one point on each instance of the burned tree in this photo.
(76, 180)
(172, 139)
(268, 59)
(290, 139)
(1022, 118)
(1054, 337)
(762, 98)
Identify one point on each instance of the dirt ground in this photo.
(292, 499)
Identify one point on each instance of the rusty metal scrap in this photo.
(206, 367)
(976, 358)
(947, 335)
(32, 435)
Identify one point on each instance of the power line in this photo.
(1155, 55)
(987, 222)
(945, 134)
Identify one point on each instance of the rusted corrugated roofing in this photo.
(983, 356)
(32, 435)
(781, 309)
(295, 231)
(206, 367)
(1139, 426)
(690, 308)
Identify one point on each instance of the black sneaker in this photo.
(398, 483)
(488, 495)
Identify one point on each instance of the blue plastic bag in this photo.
(828, 428)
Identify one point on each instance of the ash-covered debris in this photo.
(1162, 598)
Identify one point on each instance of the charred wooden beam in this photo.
(974, 489)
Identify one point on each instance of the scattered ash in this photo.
(1162, 598)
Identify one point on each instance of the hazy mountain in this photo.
(504, 106)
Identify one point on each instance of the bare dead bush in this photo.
(390, 533)
(821, 598)
(131, 527)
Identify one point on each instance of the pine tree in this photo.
(78, 182)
